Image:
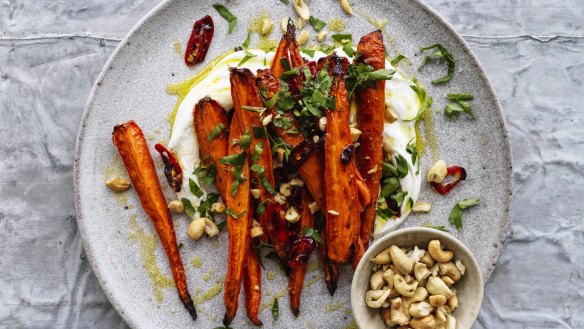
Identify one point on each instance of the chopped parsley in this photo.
(363, 75)
(195, 189)
(441, 53)
(309, 52)
(436, 227)
(456, 213)
(425, 100)
(247, 40)
(237, 161)
(190, 210)
(261, 208)
(246, 58)
(401, 166)
(397, 59)
(275, 309)
(460, 104)
(413, 150)
(348, 49)
(260, 171)
(312, 233)
(204, 208)
(342, 38)
(227, 15)
(233, 214)
(316, 23)
(215, 132)
(206, 174)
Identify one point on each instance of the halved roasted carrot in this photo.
(130, 142)
(342, 200)
(281, 54)
(370, 120)
(296, 276)
(238, 220)
(252, 282)
(246, 103)
(311, 171)
(330, 269)
(210, 118)
(296, 59)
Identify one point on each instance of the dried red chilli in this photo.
(303, 150)
(172, 169)
(300, 251)
(199, 41)
(444, 188)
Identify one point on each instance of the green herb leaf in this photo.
(258, 150)
(383, 211)
(255, 109)
(342, 38)
(245, 140)
(234, 159)
(327, 49)
(467, 203)
(227, 15)
(402, 166)
(195, 189)
(410, 203)
(311, 232)
(309, 52)
(284, 1)
(190, 210)
(389, 170)
(363, 75)
(459, 97)
(436, 227)
(399, 197)
(348, 49)
(180, 245)
(247, 41)
(389, 186)
(413, 150)
(233, 214)
(270, 103)
(204, 208)
(246, 58)
(264, 181)
(262, 207)
(397, 59)
(316, 23)
(215, 132)
(222, 225)
(441, 52)
(206, 174)
(282, 122)
(275, 309)
(259, 132)
(453, 110)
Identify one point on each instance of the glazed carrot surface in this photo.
(370, 120)
(252, 283)
(132, 146)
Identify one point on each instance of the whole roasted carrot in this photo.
(330, 269)
(311, 171)
(370, 120)
(342, 200)
(297, 273)
(131, 144)
(252, 283)
(246, 102)
(238, 219)
(211, 127)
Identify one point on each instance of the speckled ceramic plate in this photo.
(118, 237)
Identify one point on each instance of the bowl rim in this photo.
(382, 241)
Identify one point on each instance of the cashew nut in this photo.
(118, 184)
(322, 123)
(419, 295)
(437, 300)
(421, 309)
(447, 280)
(452, 302)
(397, 312)
(355, 133)
(284, 24)
(436, 286)
(256, 232)
(421, 271)
(421, 206)
(434, 269)
(303, 37)
(176, 206)
(403, 263)
(450, 270)
(386, 316)
(405, 289)
(211, 228)
(218, 207)
(296, 182)
(437, 172)
(196, 228)
(416, 253)
(409, 279)
(313, 207)
(388, 277)
(460, 266)
(441, 313)
(375, 298)
(427, 322)
(267, 26)
(439, 255)
(255, 193)
(382, 258)
(302, 9)
(292, 215)
(427, 259)
(321, 35)
(286, 189)
(377, 280)
(346, 7)
(450, 322)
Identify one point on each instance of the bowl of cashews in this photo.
(417, 278)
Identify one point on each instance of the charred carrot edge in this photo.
(207, 115)
(237, 228)
(252, 283)
(281, 53)
(296, 59)
(330, 269)
(296, 277)
(130, 142)
(244, 93)
(342, 216)
(370, 119)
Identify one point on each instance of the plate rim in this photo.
(87, 247)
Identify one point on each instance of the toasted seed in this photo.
(421, 206)
(303, 37)
(302, 9)
(267, 26)
(321, 35)
(284, 24)
(118, 184)
(346, 7)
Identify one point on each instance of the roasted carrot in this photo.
(370, 120)
(330, 269)
(311, 171)
(296, 59)
(130, 142)
(237, 221)
(281, 54)
(342, 214)
(252, 283)
(208, 115)
(245, 99)
(296, 276)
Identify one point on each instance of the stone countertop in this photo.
(52, 51)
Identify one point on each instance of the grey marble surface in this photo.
(52, 51)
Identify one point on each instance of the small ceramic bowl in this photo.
(469, 288)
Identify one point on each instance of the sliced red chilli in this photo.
(199, 41)
(458, 173)
(172, 169)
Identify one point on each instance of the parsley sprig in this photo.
(460, 104)
(227, 15)
(456, 213)
(441, 53)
